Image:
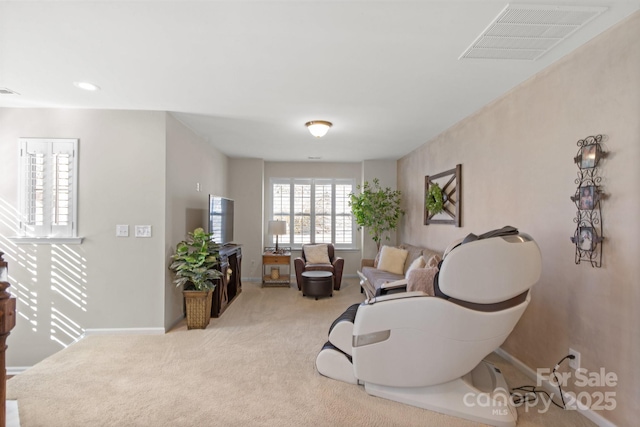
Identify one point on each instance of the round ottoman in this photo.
(317, 284)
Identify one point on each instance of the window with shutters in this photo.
(316, 211)
(48, 187)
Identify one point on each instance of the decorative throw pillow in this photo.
(414, 253)
(316, 254)
(417, 263)
(433, 261)
(421, 279)
(392, 259)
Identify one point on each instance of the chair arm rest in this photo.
(298, 263)
(396, 284)
(397, 296)
(392, 287)
(338, 267)
(366, 263)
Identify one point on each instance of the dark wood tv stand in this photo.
(230, 285)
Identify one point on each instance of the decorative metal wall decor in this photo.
(588, 234)
(452, 197)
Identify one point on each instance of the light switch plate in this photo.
(143, 231)
(122, 230)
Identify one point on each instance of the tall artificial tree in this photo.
(376, 209)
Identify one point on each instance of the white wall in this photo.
(517, 169)
(194, 170)
(111, 282)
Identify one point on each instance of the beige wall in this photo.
(387, 174)
(135, 168)
(249, 186)
(246, 188)
(312, 170)
(112, 282)
(194, 170)
(517, 169)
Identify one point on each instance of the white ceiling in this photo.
(247, 75)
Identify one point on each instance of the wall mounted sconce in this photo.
(588, 236)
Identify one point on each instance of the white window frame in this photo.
(47, 227)
(291, 214)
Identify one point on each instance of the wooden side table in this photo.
(276, 269)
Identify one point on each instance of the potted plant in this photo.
(377, 209)
(194, 264)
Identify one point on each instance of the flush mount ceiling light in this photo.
(318, 128)
(86, 86)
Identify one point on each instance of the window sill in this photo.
(19, 240)
(336, 249)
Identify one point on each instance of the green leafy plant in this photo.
(377, 209)
(195, 262)
(435, 199)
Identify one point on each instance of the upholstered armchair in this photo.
(319, 257)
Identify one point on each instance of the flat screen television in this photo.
(221, 219)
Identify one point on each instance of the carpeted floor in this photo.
(254, 366)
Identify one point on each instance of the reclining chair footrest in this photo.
(333, 363)
(341, 330)
(349, 315)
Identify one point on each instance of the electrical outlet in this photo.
(143, 230)
(574, 363)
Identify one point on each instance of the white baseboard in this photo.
(16, 370)
(176, 322)
(587, 413)
(292, 277)
(124, 331)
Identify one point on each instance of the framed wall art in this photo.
(443, 197)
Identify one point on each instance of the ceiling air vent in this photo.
(529, 31)
(5, 91)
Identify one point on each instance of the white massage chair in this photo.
(427, 351)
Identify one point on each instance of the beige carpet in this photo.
(254, 366)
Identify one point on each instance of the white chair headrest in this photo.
(492, 270)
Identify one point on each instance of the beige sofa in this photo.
(379, 277)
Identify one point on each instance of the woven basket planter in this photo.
(198, 305)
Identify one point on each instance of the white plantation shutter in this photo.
(301, 211)
(281, 205)
(343, 228)
(48, 187)
(32, 187)
(318, 209)
(323, 219)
